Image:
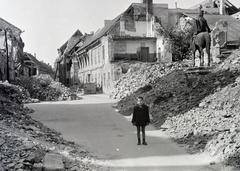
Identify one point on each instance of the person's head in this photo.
(201, 12)
(140, 100)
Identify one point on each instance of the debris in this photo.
(28, 141)
(199, 110)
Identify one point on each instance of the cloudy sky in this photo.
(47, 24)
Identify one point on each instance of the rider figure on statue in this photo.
(201, 22)
(201, 38)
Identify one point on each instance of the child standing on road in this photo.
(141, 119)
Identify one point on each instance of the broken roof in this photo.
(41, 65)
(208, 6)
(72, 41)
(6, 25)
(140, 8)
(99, 34)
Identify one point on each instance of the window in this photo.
(99, 59)
(95, 57)
(91, 57)
(103, 53)
(104, 79)
(89, 78)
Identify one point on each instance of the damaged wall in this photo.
(132, 49)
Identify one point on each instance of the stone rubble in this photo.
(198, 110)
(144, 73)
(44, 88)
(24, 142)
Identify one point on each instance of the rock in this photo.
(2, 141)
(53, 162)
(38, 167)
(75, 168)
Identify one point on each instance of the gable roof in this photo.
(72, 41)
(41, 65)
(100, 33)
(6, 25)
(139, 7)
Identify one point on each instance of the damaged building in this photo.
(65, 57)
(133, 36)
(130, 37)
(11, 50)
(14, 62)
(31, 66)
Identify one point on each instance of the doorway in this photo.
(144, 54)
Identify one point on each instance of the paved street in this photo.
(92, 122)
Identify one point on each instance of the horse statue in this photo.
(200, 42)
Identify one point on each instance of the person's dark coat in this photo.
(202, 25)
(141, 115)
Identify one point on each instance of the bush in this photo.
(180, 41)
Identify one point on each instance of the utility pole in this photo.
(6, 42)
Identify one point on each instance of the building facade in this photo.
(11, 50)
(129, 37)
(133, 36)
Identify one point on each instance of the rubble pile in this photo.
(213, 126)
(139, 75)
(200, 110)
(44, 88)
(25, 142)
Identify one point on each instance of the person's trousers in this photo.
(139, 130)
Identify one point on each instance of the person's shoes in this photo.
(145, 143)
(139, 141)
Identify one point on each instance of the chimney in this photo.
(149, 5)
(222, 7)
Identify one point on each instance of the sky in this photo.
(47, 24)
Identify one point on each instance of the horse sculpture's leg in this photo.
(194, 57)
(209, 60)
(208, 51)
(201, 57)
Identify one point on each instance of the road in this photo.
(93, 123)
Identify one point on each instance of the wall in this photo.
(131, 46)
(164, 54)
(162, 14)
(140, 28)
(130, 49)
(97, 57)
(15, 47)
